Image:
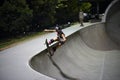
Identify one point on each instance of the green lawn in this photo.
(4, 44)
(7, 43)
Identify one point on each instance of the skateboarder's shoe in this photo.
(54, 48)
(51, 41)
(52, 52)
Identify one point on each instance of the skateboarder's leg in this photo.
(54, 48)
(52, 40)
(57, 46)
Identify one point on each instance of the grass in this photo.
(7, 43)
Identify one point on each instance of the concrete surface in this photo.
(91, 53)
(113, 22)
(14, 61)
(88, 54)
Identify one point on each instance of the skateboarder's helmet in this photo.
(57, 28)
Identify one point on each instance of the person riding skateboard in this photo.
(60, 38)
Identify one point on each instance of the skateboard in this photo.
(50, 53)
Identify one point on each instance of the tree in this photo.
(15, 17)
(67, 10)
(43, 12)
(85, 6)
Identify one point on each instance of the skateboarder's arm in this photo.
(49, 30)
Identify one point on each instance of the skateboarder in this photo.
(60, 37)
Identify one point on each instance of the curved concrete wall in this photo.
(112, 19)
(82, 57)
(89, 54)
(95, 37)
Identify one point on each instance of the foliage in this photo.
(20, 16)
(15, 17)
(43, 12)
(67, 11)
(85, 6)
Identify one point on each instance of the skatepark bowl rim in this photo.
(99, 27)
(45, 50)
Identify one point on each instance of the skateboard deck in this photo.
(48, 48)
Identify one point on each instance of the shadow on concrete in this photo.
(61, 72)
